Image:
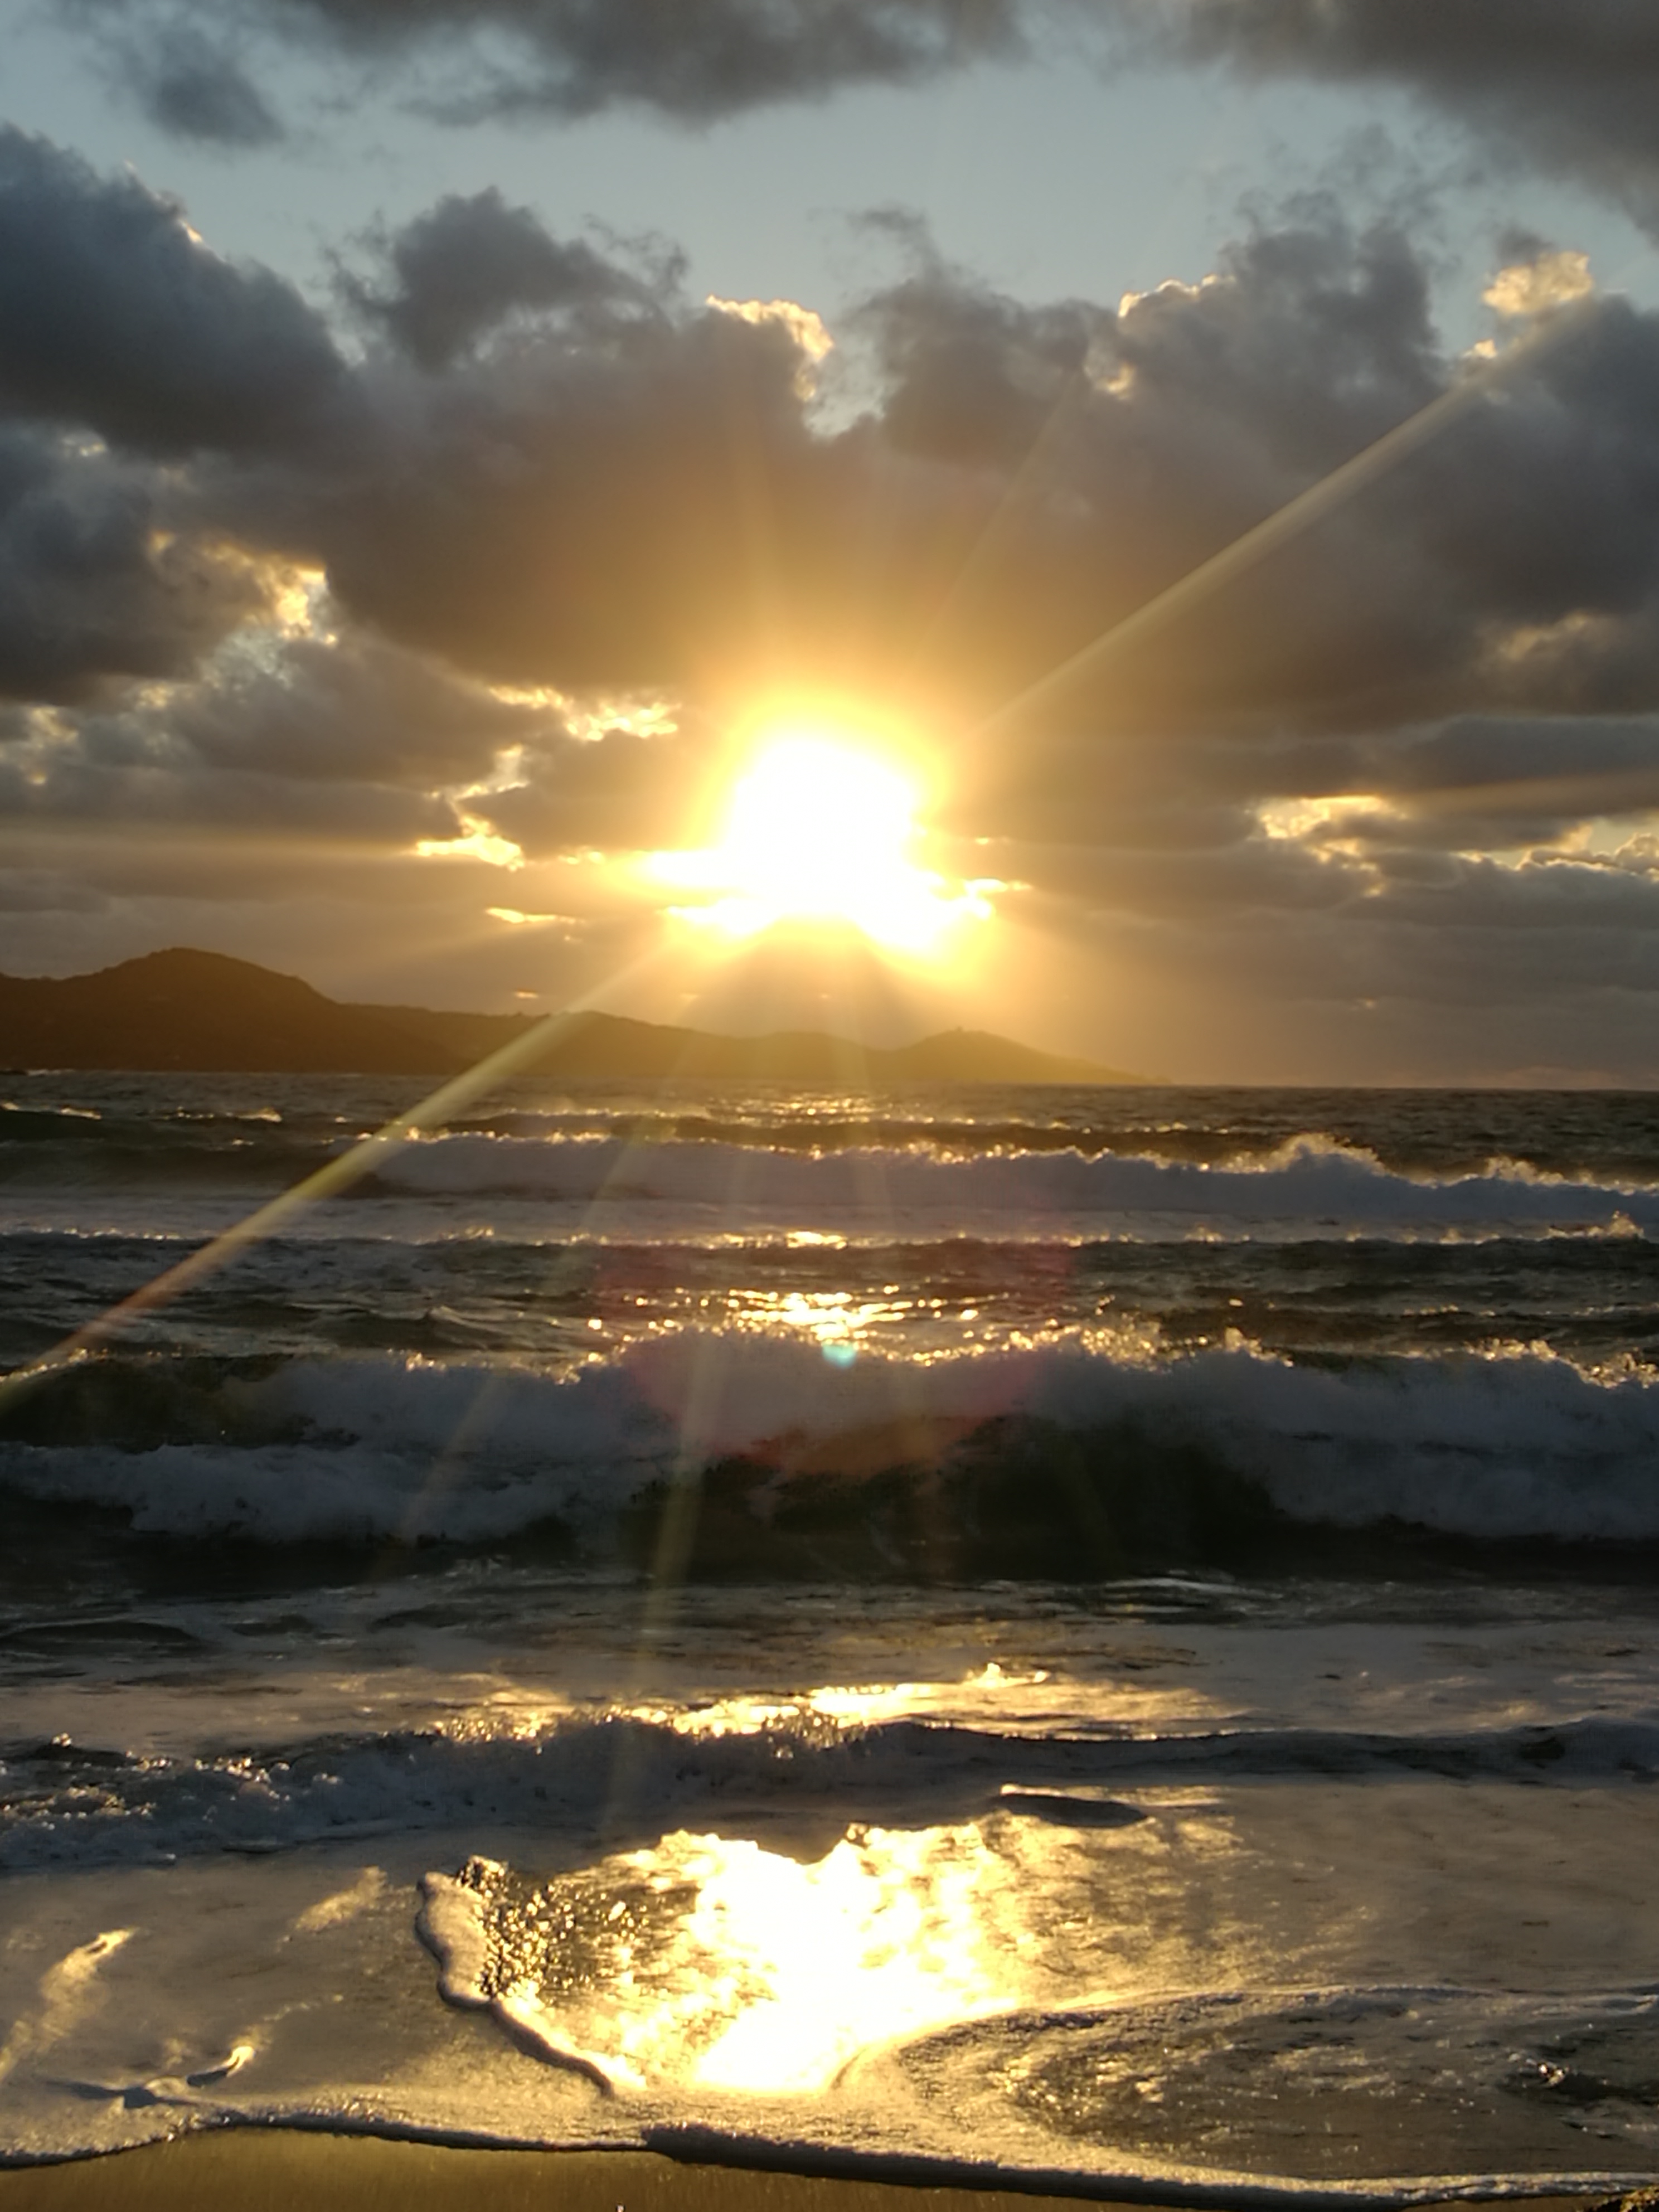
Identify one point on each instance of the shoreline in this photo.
(269, 2169)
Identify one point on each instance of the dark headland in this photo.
(208, 1014)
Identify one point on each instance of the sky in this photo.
(512, 503)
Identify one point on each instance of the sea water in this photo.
(1110, 1634)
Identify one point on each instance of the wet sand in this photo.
(275, 2170)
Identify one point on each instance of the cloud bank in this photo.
(379, 604)
(692, 60)
(1571, 88)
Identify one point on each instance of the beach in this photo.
(264, 2171)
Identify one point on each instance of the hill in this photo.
(208, 1013)
(201, 1010)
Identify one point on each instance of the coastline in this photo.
(266, 2169)
(269, 2169)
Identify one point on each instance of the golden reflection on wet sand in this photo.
(722, 1964)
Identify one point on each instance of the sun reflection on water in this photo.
(719, 1964)
(880, 1939)
(840, 1705)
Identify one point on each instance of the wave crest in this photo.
(1317, 1185)
(962, 1460)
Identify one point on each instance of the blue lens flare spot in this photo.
(840, 1355)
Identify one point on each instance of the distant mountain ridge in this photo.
(208, 1014)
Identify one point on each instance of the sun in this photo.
(820, 828)
(815, 831)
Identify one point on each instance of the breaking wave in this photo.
(1316, 1185)
(1163, 1455)
(70, 1804)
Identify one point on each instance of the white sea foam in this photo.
(1496, 1448)
(62, 1807)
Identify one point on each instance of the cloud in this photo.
(570, 513)
(94, 583)
(563, 473)
(194, 88)
(624, 490)
(327, 603)
(693, 60)
(1537, 775)
(338, 739)
(1512, 560)
(94, 775)
(42, 892)
(116, 316)
(1574, 88)
(461, 270)
(620, 792)
(709, 58)
(351, 709)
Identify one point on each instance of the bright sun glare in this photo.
(818, 829)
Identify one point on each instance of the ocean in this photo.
(1107, 1635)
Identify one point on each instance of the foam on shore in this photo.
(269, 2170)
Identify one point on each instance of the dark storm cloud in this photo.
(693, 60)
(119, 775)
(1474, 930)
(1494, 782)
(618, 792)
(1497, 950)
(1503, 782)
(92, 586)
(696, 59)
(586, 481)
(1575, 86)
(462, 269)
(351, 738)
(1513, 559)
(1246, 873)
(970, 376)
(190, 86)
(1187, 415)
(354, 710)
(1495, 944)
(114, 315)
(579, 514)
(1500, 782)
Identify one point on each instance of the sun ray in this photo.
(1490, 373)
(335, 1178)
